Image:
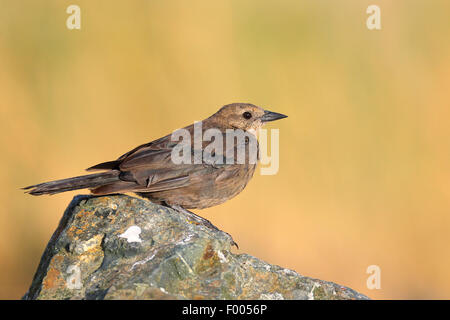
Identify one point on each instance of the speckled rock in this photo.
(121, 247)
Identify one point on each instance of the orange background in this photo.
(364, 173)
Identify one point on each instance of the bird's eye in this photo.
(247, 115)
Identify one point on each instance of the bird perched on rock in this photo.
(192, 174)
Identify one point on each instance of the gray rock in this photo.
(120, 247)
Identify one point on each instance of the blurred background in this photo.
(364, 174)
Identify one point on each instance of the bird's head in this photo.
(244, 116)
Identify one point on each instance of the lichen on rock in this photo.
(121, 247)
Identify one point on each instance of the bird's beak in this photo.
(271, 116)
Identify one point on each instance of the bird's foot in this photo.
(202, 221)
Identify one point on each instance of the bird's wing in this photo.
(144, 152)
(149, 167)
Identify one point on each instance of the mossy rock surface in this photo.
(121, 247)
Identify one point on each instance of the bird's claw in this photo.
(204, 222)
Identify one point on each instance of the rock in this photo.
(121, 247)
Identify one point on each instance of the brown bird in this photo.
(210, 176)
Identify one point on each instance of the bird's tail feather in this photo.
(75, 183)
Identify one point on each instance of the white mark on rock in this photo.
(74, 280)
(311, 294)
(290, 272)
(143, 261)
(163, 290)
(184, 261)
(222, 257)
(186, 240)
(271, 296)
(132, 234)
(84, 246)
